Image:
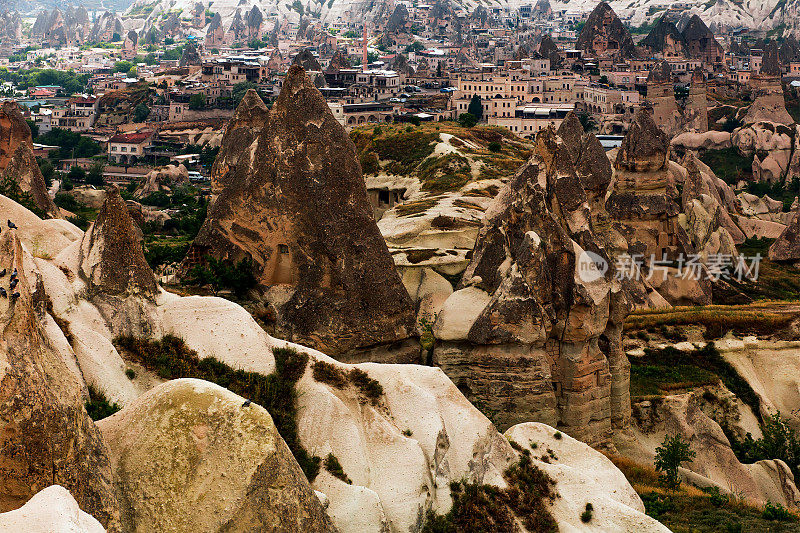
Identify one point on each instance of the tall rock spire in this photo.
(298, 208)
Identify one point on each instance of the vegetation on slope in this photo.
(480, 508)
(98, 406)
(481, 152)
(691, 510)
(170, 358)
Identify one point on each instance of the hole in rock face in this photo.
(283, 248)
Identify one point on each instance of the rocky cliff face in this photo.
(296, 204)
(533, 332)
(105, 27)
(47, 437)
(190, 55)
(604, 35)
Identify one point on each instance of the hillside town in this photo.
(400, 267)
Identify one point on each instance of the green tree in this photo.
(467, 120)
(76, 173)
(141, 112)
(476, 108)
(95, 175)
(133, 72)
(669, 456)
(197, 101)
(47, 169)
(116, 37)
(416, 46)
(122, 66)
(587, 121)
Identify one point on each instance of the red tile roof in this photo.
(131, 138)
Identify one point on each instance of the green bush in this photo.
(467, 120)
(586, 515)
(495, 146)
(98, 406)
(222, 274)
(776, 511)
(669, 456)
(478, 508)
(333, 466)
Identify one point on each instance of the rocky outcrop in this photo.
(46, 435)
(13, 131)
(644, 206)
(51, 509)
(190, 441)
(769, 103)
(787, 246)
(190, 55)
(665, 39)
(112, 259)
(306, 60)
(604, 35)
(162, 179)
(533, 331)
(22, 171)
(661, 97)
(715, 463)
(700, 42)
(397, 22)
(10, 27)
(246, 125)
(104, 27)
(695, 115)
(215, 34)
(298, 208)
(340, 61)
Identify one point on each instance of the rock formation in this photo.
(695, 114)
(51, 509)
(644, 207)
(189, 441)
(247, 124)
(533, 331)
(340, 61)
(661, 97)
(190, 55)
(604, 35)
(700, 42)
(397, 21)
(105, 27)
(112, 259)
(13, 131)
(215, 35)
(768, 100)
(162, 179)
(47, 436)
(296, 205)
(22, 171)
(665, 39)
(10, 27)
(787, 246)
(306, 60)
